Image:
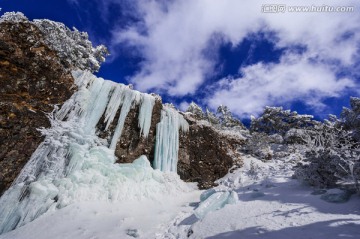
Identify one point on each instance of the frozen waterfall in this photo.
(167, 139)
(73, 164)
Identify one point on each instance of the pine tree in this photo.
(211, 117)
(196, 111)
(276, 120)
(226, 118)
(350, 118)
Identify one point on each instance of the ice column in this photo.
(145, 114)
(167, 139)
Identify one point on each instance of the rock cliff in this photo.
(35, 75)
(32, 81)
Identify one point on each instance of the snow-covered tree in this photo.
(227, 119)
(196, 111)
(72, 46)
(211, 117)
(259, 145)
(350, 118)
(333, 157)
(276, 120)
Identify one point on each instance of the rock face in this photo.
(32, 81)
(36, 59)
(206, 154)
(131, 145)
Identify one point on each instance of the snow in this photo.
(13, 17)
(270, 205)
(105, 220)
(167, 139)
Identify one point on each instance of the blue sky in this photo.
(221, 52)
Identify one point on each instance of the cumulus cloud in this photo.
(294, 78)
(176, 40)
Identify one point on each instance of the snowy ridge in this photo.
(72, 46)
(167, 139)
(74, 165)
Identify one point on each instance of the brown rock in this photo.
(32, 80)
(131, 145)
(205, 154)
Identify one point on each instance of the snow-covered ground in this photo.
(104, 220)
(271, 205)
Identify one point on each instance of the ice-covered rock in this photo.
(336, 196)
(133, 233)
(214, 199)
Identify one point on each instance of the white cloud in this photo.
(294, 78)
(176, 37)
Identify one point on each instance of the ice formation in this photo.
(214, 199)
(167, 139)
(73, 164)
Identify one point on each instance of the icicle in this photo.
(129, 97)
(167, 139)
(147, 105)
(114, 104)
(97, 105)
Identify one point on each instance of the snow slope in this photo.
(271, 205)
(105, 220)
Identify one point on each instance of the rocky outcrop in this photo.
(131, 145)
(32, 81)
(34, 76)
(206, 153)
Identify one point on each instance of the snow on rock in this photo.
(74, 165)
(13, 17)
(72, 47)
